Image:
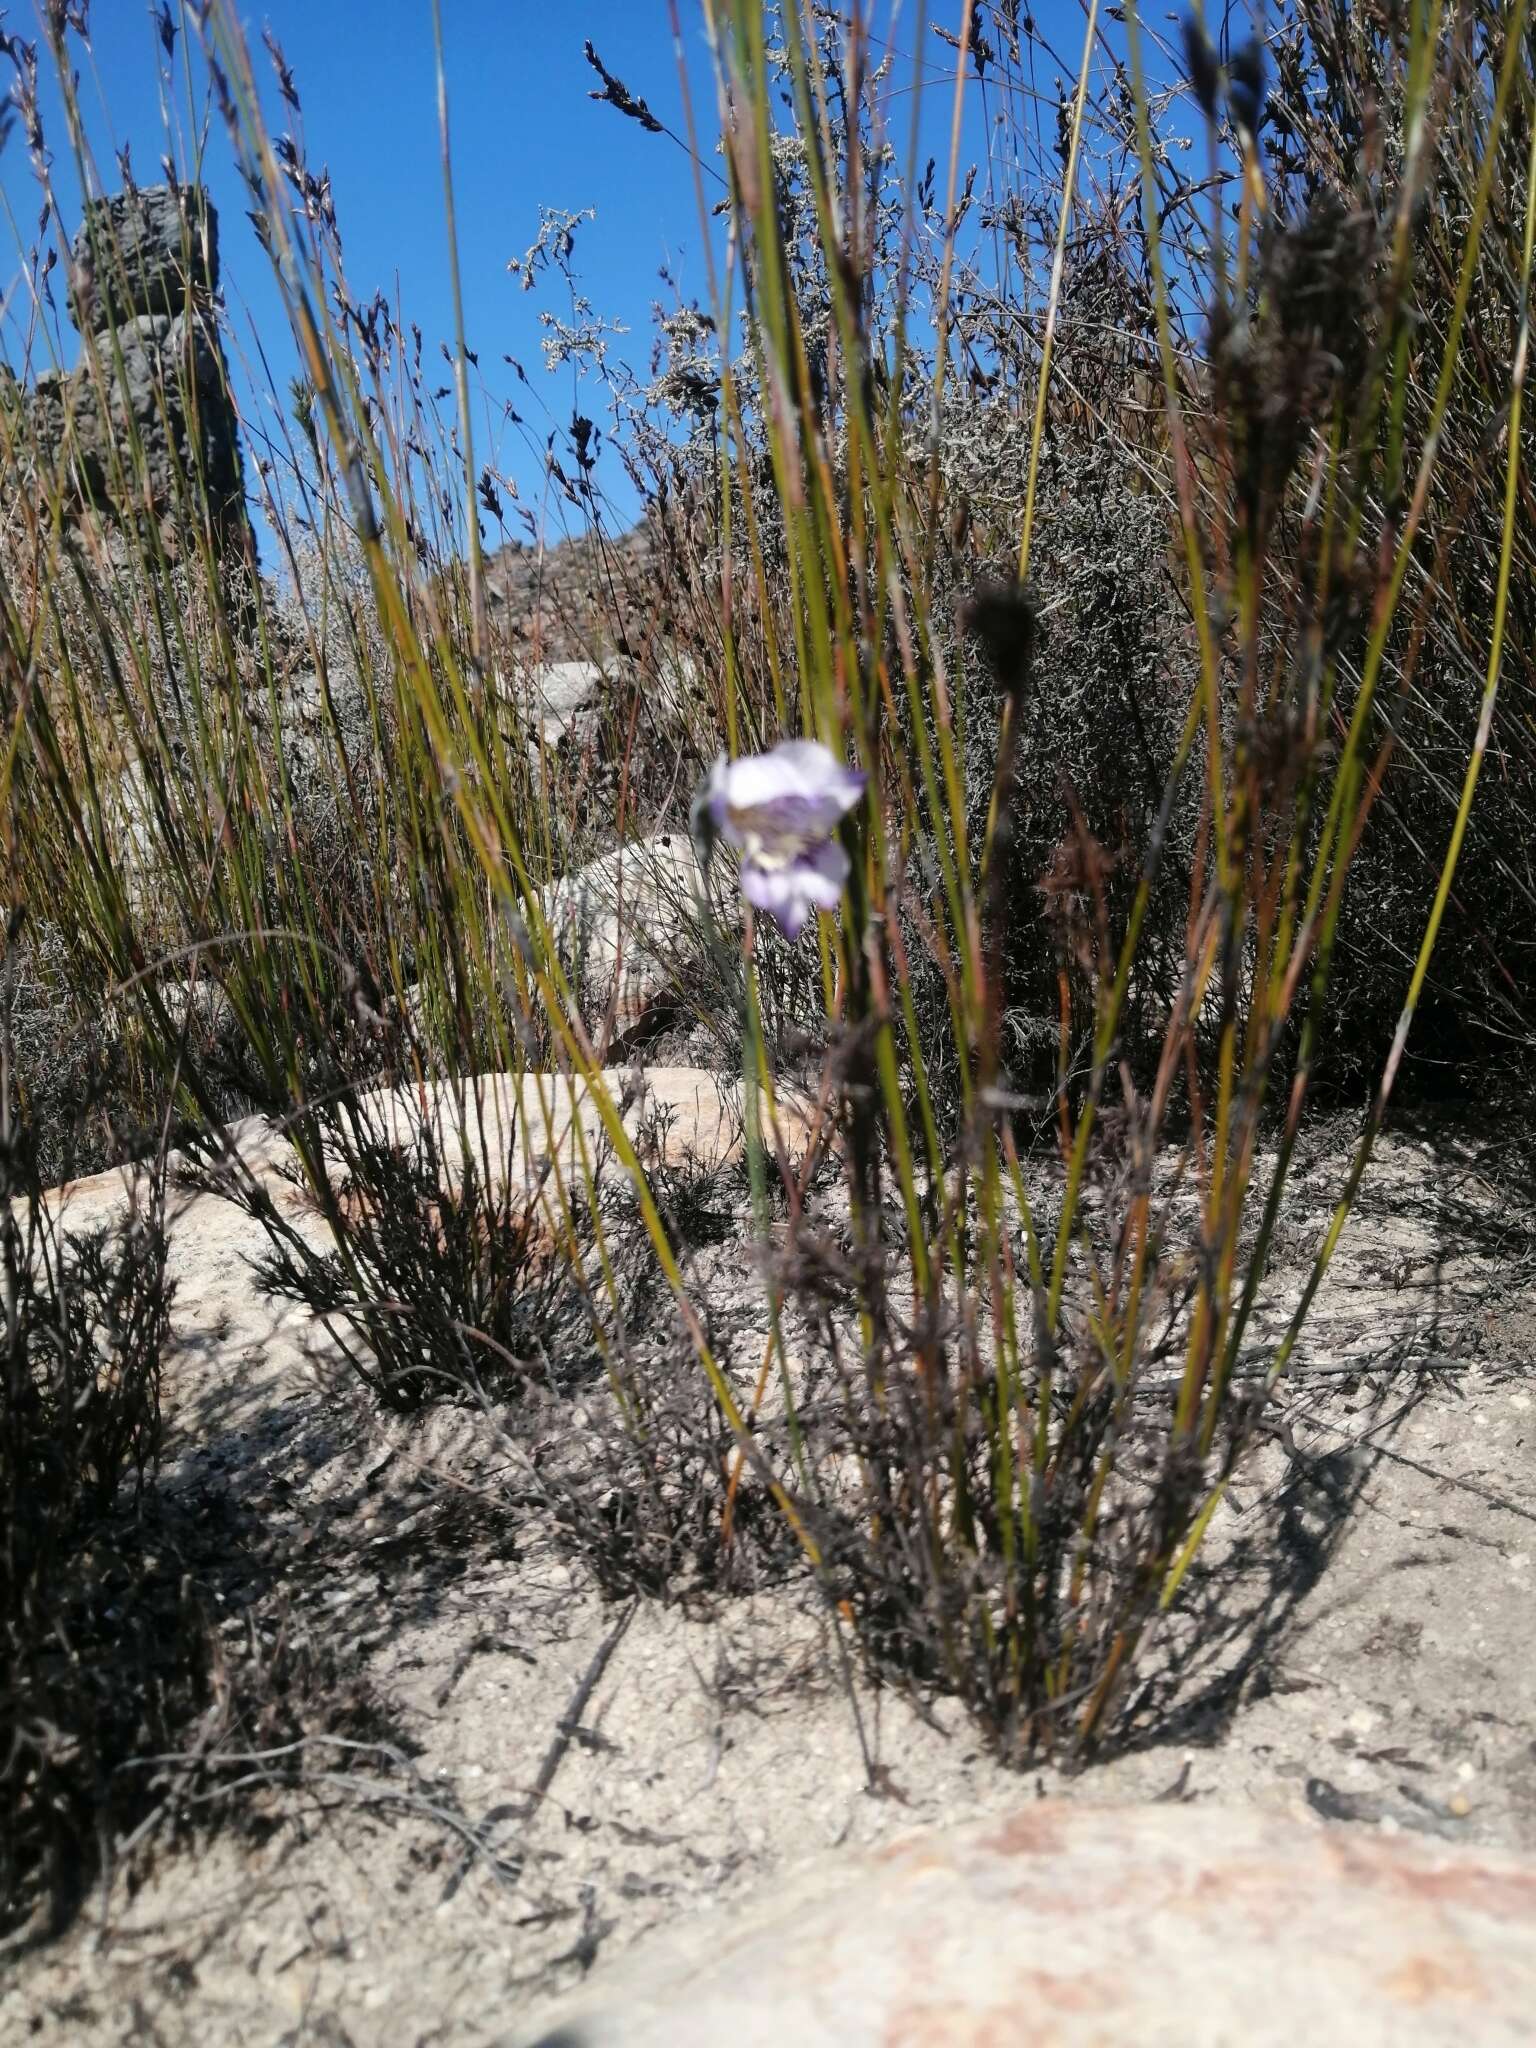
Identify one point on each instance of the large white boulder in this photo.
(633, 926)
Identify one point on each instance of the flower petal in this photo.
(786, 798)
(787, 891)
(715, 797)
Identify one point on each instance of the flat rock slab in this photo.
(1062, 1926)
(515, 1127)
(520, 1126)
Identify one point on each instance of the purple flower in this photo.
(781, 810)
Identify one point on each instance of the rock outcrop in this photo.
(632, 926)
(1077, 1926)
(565, 698)
(144, 424)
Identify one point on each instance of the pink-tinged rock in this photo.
(1067, 1925)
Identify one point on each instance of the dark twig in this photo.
(566, 1727)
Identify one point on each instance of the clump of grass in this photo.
(445, 1282)
(1328, 80)
(1027, 1505)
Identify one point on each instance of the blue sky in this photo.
(525, 135)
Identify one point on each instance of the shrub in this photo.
(96, 1658)
(447, 1281)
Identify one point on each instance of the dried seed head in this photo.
(1003, 617)
(1201, 66)
(1245, 85)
